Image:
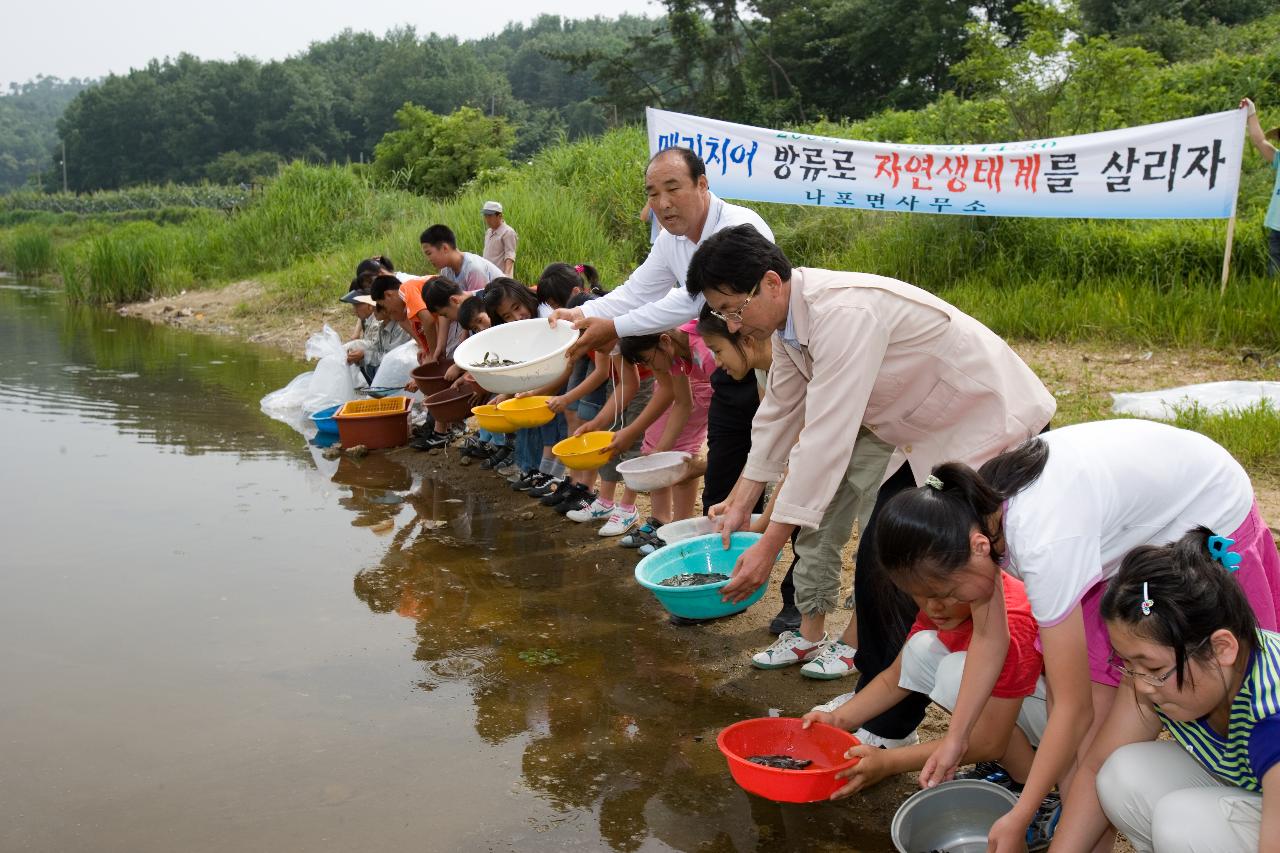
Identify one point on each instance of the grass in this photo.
(27, 252)
(1252, 435)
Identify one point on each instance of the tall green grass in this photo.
(27, 251)
(1252, 435)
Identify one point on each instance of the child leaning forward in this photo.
(932, 662)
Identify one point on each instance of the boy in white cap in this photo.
(499, 239)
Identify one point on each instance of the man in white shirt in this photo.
(654, 300)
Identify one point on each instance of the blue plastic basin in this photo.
(700, 554)
(324, 421)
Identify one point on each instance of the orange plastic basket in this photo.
(374, 423)
(374, 408)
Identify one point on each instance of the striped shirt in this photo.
(1243, 757)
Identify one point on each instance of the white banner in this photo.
(1184, 169)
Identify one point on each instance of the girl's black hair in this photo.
(580, 299)
(557, 284)
(1191, 594)
(500, 290)
(470, 308)
(591, 277)
(357, 283)
(924, 532)
(370, 267)
(709, 325)
(634, 347)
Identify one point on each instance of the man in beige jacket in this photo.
(861, 364)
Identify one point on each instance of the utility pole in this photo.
(64, 166)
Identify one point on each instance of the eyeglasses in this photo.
(1117, 663)
(736, 316)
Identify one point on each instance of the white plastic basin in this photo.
(655, 471)
(687, 528)
(538, 346)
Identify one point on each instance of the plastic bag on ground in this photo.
(1211, 397)
(331, 383)
(286, 403)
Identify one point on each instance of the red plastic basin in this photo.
(824, 745)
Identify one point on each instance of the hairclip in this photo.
(1147, 603)
(1218, 546)
(933, 482)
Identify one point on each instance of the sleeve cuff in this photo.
(763, 470)
(789, 513)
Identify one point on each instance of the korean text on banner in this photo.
(1184, 169)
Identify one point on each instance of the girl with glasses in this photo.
(1194, 664)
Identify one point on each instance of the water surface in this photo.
(212, 639)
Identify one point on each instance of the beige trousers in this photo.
(817, 573)
(1165, 801)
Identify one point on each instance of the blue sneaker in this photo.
(1043, 825)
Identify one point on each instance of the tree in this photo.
(436, 155)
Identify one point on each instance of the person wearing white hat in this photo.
(376, 336)
(499, 238)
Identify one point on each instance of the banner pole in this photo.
(1226, 255)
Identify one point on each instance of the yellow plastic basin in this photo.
(488, 417)
(526, 412)
(584, 452)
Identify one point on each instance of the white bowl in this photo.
(687, 528)
(538, 346)
(655, 471)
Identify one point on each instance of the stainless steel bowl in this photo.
(954, 817)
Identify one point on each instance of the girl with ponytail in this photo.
(1060, 513)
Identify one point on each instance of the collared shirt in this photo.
(500, 244)
(653, 299)
(788, 333)
(474, 273)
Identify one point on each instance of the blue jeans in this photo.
(1273, 251)
(528, 448)
(497, 439)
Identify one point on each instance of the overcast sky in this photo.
(92, 38)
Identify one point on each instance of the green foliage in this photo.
(27, 251)
(28, 129)
(205, 196)
(1252, 434)
(435, 155)
(232, 167)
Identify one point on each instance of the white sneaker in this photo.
(790, 648)
(886, 742)
(594, 512)
(620, 522)
(830, 707)
(836, 661)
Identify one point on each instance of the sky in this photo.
(92, 38)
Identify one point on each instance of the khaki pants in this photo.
(1164, 800)
(817, 572)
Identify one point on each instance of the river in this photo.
(212, 640)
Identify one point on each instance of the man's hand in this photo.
(598, 333)
(729, 518)
(1246, 104)
(750, 572)
(941, 766)
(573, 315)
(355, 356)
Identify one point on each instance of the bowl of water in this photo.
(512, 357)
(696, 570)
(779, 759)
(955, 816)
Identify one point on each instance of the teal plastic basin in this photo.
(700, 554)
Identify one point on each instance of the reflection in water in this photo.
(185, 669)
(614, 721)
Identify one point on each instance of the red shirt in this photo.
(1024, 662)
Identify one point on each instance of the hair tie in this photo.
(933, 482)
(1218, 546)
(578, 268)
(1147, 603)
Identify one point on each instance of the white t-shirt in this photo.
(1107, 488)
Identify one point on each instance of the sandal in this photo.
(641, 535)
